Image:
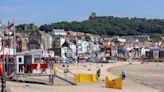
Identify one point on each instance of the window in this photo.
(23, 44)
(20, 60)
(37, 59)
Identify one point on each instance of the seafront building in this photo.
(62, 46)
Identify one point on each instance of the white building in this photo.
(59, 32)
(50, 41)
(82, 46)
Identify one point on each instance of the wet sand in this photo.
(151, 74)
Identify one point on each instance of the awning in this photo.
(7, 57)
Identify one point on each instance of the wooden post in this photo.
(51, 79)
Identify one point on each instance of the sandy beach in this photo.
(60, 86)
(150, 74)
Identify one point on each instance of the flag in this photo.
(11, 26)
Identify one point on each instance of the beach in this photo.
(150, 74)
(107, 69)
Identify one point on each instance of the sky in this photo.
(47, 11)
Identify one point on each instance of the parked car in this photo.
(103, 60)
(90, 60)
(70, 60)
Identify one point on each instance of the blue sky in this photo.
(47, 11)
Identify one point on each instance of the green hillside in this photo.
(111, 26)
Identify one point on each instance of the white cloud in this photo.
(8, 9)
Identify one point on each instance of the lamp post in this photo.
(3, 83)
(77, 58)
(3, 79)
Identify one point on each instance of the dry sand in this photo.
(128, 85)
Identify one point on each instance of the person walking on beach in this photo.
(123, 75)
(98, 72)
(130, 57)
(65, 70)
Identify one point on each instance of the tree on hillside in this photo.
(111, 26)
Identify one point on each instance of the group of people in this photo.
(65, 69)
(123, 74)
(98, 72)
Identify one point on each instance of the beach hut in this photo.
(30, 62)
